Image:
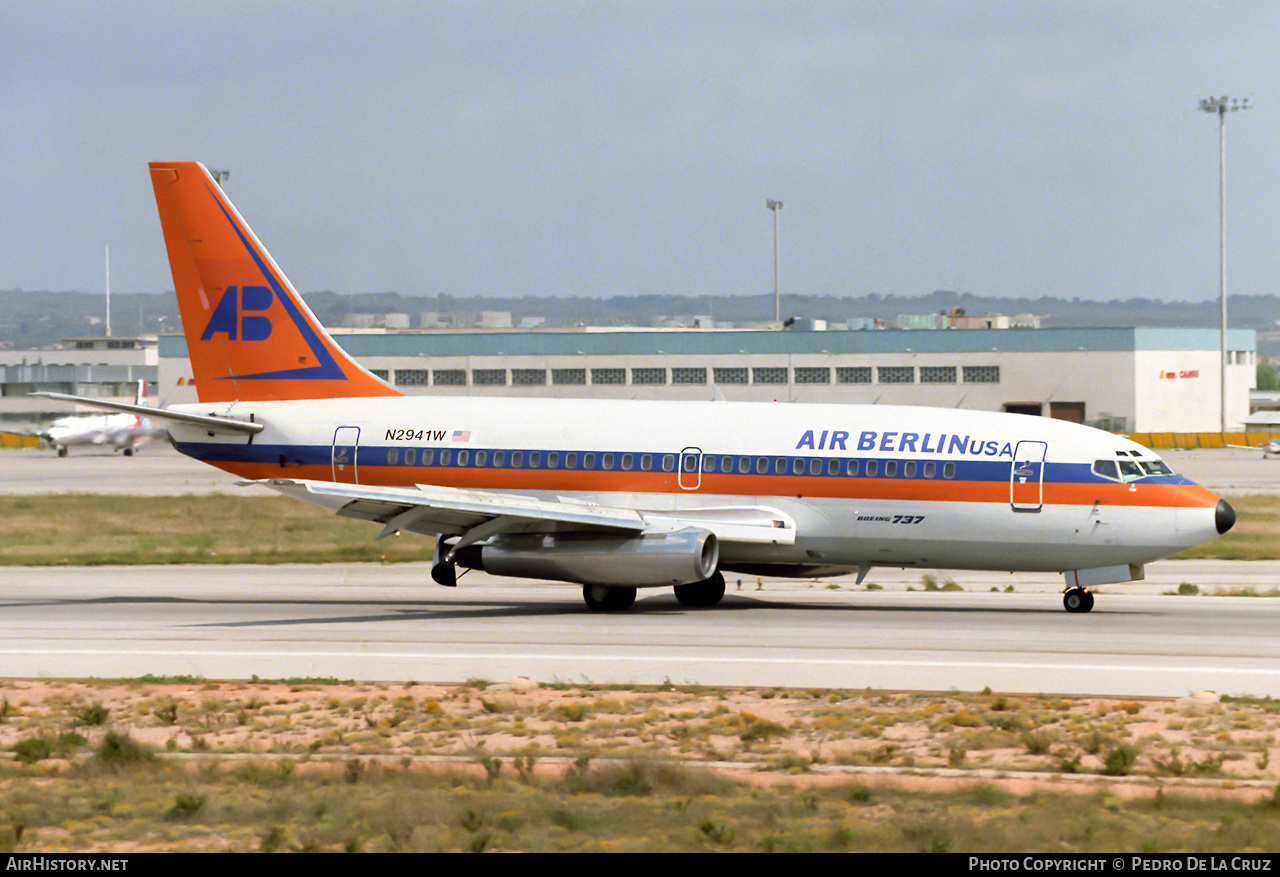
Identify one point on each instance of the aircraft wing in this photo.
(479, 514)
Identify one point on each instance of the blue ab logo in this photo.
(230, 314)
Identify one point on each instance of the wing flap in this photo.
(435, 510)
(453, 511)
(757, 525)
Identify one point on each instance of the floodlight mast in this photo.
(775, 206)
(1220, 106)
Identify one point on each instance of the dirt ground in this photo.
(763, 735)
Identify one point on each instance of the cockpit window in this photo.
(1130, 470)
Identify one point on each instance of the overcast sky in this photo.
(619, 148)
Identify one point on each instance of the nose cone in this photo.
(1224, 516)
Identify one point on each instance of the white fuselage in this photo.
(865, 485)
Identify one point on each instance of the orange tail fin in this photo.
(249, 334)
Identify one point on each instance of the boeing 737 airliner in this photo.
(620, 495)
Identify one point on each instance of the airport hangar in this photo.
(1121, 379)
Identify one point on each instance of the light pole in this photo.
(775, 206)
(1220, 106)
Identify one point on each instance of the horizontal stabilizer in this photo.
(219, 425)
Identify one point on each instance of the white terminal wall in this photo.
(1111, 383)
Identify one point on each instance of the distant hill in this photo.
(42, 318)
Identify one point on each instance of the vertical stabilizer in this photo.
(249, 334)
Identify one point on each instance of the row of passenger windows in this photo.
(711, 463)
(679, 375)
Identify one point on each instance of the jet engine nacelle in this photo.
(649, 561)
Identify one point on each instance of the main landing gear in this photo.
(1077, 600)
(604, 599)
(601, 598)
(707, 592)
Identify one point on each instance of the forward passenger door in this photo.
(1026, 476)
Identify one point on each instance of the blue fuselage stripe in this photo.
(784, 465)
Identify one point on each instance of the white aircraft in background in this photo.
(619, 495)
(120, 432)
(1269, 447)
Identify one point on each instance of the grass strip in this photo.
(92, 530)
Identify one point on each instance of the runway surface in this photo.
(371, 622)
(391, 623)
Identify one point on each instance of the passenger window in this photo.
(948, 470)
(553, 459)
(833, 467)
(668, 463)
(709, 464)
(606, 462)
(762, 466)
(428, 456)
(627, 461)
(873, 467)
(852, 468)
(797, 466)
(499, 457)
(744, 465)
(780, 466)
(481, 458)
(930, 469)
(535, 459)
(646, 462)
(463, 457)
(444, 458)
(393, 456)
(571, 461)
(909, 469)
(891, 469)
(588, 461)
(410, 456)
(517, 459)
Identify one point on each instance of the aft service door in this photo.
(1026, 477)
(346, 439)
(690, 474)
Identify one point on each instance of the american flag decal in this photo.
(462, 435)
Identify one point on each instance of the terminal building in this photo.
(1123, 380)
(101, 367)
